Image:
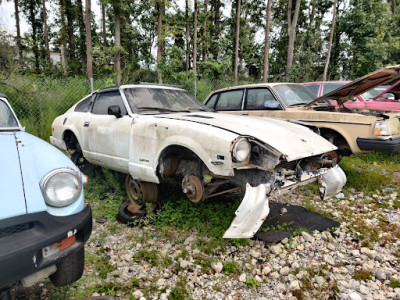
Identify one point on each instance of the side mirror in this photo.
(115, 111)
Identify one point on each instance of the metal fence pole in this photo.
(91, 84)
(195, 87)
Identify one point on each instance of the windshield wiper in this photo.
(161, 109)
(299, 104)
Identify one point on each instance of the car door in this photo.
(108, 135)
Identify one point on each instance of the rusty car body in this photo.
(352, 131)
(154, 131)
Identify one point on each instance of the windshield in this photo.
(371, 93)
(293, 94)
(144, 100)
(7, 118)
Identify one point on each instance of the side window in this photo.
(84, 105)
(230, 100)
(314, 88)
(211, 101)
(261, 99)
(106, 99)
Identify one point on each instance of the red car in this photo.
(375, 99)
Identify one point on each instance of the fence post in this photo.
(91, 84)
(195, 87)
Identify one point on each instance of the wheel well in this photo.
(337, 139)
(178, 159)
(71, 141)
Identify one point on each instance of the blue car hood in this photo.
(26, 159)
(12, 201)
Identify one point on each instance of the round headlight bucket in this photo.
(241, 150)
(61, 187)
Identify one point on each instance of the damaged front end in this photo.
(267, 173)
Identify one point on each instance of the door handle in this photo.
(86, 124)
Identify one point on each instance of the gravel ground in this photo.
(147, 263)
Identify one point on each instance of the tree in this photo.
(63, 33)
(160, 38)
(266, 44)
(195, 39)
(205, 32)
(89, 63)
(117, 40)
(17, 24)
(292, 24)
(46, 33)
(328, 56)
(236, 55)
(187, 36)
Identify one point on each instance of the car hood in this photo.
(12, 201)
(291, 140)
(360, 85)
(395, 88)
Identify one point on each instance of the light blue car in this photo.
(44, 223)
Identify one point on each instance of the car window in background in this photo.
(211, 101)
(261, 98)
(371, 94)
(84, 105)
(293, 95)
(314, 88)
(7, 118)
(230, 100)
(169, 99)
(106, 99)
(329, 87)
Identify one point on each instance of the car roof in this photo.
(271, 84)
(141, 85)
(330, 81)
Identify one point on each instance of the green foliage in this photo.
(180, 291)
(231, 267)
(362, 275)
(252, 282)
(394, 283)
(152, 257)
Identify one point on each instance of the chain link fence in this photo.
(37, 100)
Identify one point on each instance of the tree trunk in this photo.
(89, 63)
(235, 61)
(266, 45)
(33, 22)
(70, 30)
(46, 33)
(117, 41)
(195, 39)
(292, 23)
(328, 56)
(19, 44)
(82, 43)
(217, 16)
(103, 23)
(63, 39)
(187, 35)
(205, 32)
(160, 38)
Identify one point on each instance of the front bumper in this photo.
(389, 144)
(22, 239)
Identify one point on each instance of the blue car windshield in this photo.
(7, 118)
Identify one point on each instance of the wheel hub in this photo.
(193, 188)
(140, 193)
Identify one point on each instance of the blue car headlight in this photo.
(61, 187)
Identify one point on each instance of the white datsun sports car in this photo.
(154, 131)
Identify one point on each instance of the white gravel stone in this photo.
(355, 296)
(294, 285)
(363, 289)
(329, 260)
(284, 271)
(276, 249)
(217, 267)
(242, 277)
(184, 264)
(307, 237)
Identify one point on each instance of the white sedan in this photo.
(154, 131)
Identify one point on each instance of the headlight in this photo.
(241, 150)
(61, 187)
(381, 128)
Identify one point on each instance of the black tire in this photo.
(70, 269)
(80, 161)
(126, 217)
